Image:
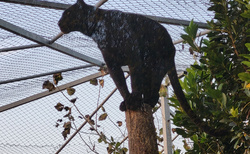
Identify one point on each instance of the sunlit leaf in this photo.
(234, 112)
(101, 82)
(248, 86)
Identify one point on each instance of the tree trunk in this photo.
(141, 131)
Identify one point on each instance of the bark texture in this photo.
(141, 131)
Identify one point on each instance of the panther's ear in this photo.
(80, 2)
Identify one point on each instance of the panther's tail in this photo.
(185, 106)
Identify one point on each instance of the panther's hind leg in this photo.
(134, 101)
(157, 75)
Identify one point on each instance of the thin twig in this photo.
(92, 149)
(116, 126)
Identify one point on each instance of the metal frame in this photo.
(46, 93)
(61, 6)
(44, 74)
(50, 43)
(40, 40)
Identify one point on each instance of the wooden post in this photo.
(141, 131)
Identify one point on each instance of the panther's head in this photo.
(73, 18)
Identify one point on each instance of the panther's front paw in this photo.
(133, 102)
(123, 106)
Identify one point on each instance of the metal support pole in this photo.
(166, 125)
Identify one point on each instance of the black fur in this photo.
(134, 40)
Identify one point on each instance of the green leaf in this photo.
(224, 100)
(161, 131)
(248, 46)
(247, 63)
(234, 112)
(189, 40)
(246, 55)
(196, 67)
(117, 145)
(195, 138)
(220, 86)
(244, 76)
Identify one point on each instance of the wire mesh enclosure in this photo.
(29, 121)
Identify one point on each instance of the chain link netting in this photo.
(31, 128)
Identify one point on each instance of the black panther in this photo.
(134, 40)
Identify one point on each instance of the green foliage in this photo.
(217, 88)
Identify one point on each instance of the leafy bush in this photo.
(217, 87)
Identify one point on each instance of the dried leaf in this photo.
(64, 134)
(103, 109)
(173, 130)
(94, 82)
(91, 128)
(57, 124)
(80, 117)
(59, 120)
(119, 123)
(71, 91)
(57, 77)
(92, 122)
(59, 107)
(66, 108)
(101, 82)
(48, 85)
(71, 118)
(68, 114)
(87, 116)
(67, 125)
(73, 100)
(103, 116)
(66, 131)
(103, 70)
